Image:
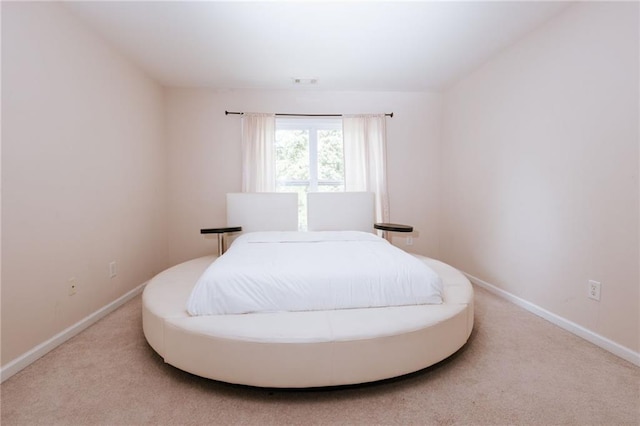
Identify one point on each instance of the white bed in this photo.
(304, 348)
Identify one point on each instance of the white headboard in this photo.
(263, 211)
(340, 211)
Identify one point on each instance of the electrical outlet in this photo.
(594, 290)
(409, 241)
(112, 270)
(72, 286)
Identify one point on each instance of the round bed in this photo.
(304, 349)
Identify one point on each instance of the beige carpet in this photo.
(515, 369)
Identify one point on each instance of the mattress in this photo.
(312, 271)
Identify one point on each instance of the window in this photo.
(309, 158)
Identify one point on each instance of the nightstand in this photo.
(386, 228)
(222, 232)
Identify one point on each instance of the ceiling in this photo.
(349, 45)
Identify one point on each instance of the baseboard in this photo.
(37, 352)
(598, 340)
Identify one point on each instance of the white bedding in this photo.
(305, 271)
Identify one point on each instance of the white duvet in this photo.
(305, 271)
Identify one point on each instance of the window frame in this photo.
(312, 125)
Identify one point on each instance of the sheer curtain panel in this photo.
(365, 158)
(258, 156)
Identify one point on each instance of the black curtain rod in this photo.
(390, 114)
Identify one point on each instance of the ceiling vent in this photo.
(304, 81)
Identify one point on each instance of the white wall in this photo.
(83, 174)
(205, 156)
(540, 169)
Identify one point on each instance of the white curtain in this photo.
(258, 152)
(365, 158)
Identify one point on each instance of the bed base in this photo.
(304, 349)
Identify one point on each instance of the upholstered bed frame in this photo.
(303, 349)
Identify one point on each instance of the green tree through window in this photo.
(309, 158)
